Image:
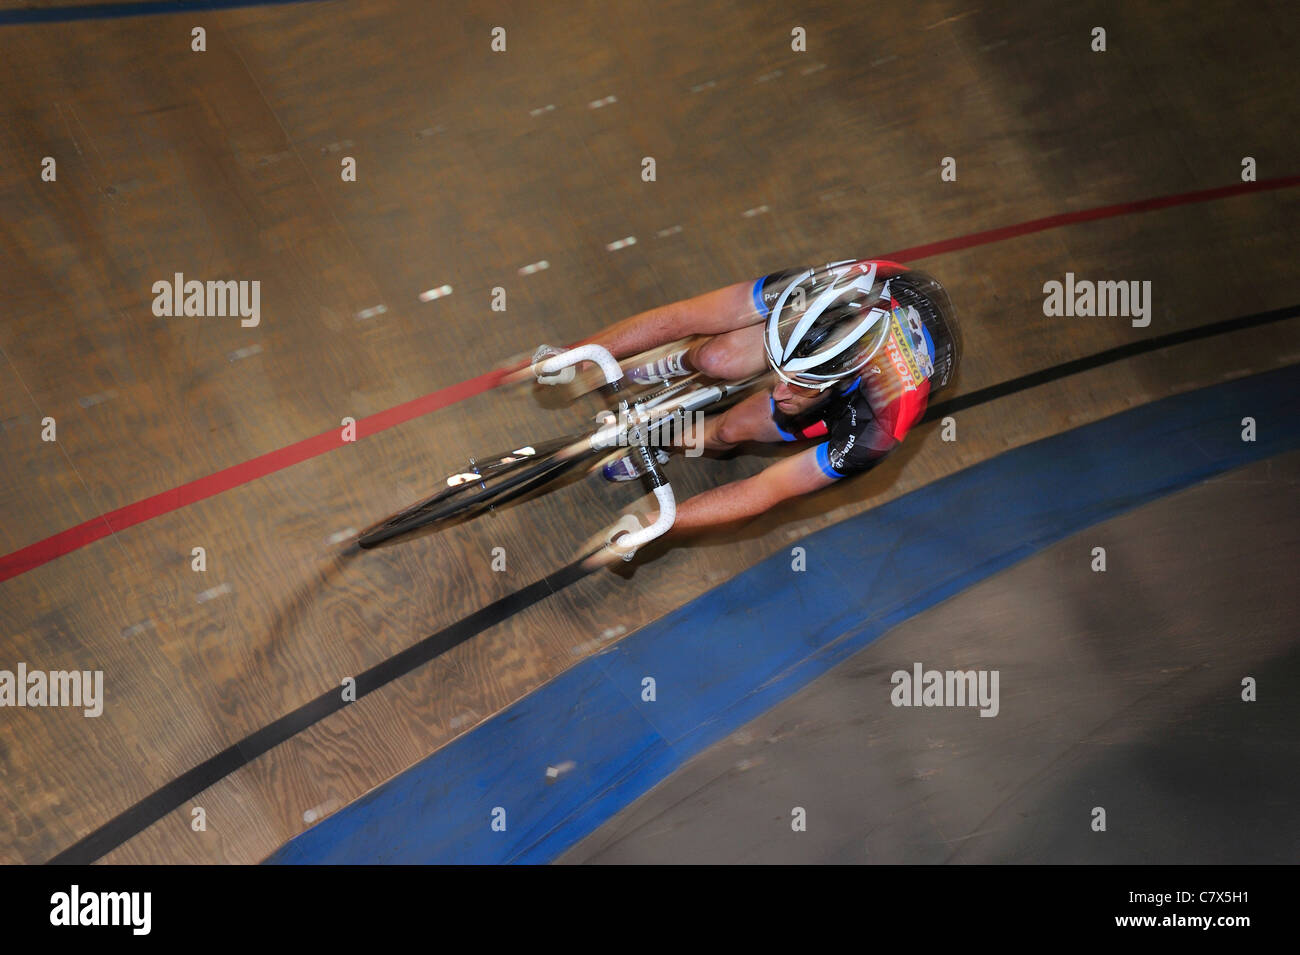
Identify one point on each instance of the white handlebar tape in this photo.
(562, 377)
(556, 364)
(626, 547)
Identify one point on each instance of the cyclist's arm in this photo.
(790, 477)
(712, 313)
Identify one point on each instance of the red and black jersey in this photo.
(874, 413)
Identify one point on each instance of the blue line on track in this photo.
(740, 649)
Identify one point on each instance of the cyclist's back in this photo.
(913, 355)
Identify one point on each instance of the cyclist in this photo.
(856, 347)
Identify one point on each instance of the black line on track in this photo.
(172, 796)
(1107, 357)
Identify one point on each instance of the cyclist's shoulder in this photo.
(897, 372)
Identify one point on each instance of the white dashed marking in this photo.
(247, 352)
(320, 812)
(553, 772)
(429, 132)
(671, 230)
(769, 76)
(336, 147)
(953, 19)
(757, 211)
(883, 60)
(273, 158)
(534, 267)
(430, 294)
(609, 633)
(598, 103)
(542, 109)
(371, 312)
(138, 628)
(339, 537)
(464, 719)
(815, 68)
(89, 401)
(213, 593)
(621, 243)
(706, 85)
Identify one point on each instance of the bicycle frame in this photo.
(631, 428)
(637, 425)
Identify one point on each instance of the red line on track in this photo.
(1087, 215)
(64, 542)
(33, 555)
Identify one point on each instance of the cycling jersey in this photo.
(869, 418)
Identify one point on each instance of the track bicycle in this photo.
(637, 427)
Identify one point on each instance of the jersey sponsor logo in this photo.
(920, 342)
(900, 366)
(902, 358)
(837, 455)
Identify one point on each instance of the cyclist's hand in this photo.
(562, 377)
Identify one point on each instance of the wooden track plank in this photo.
(226, 163)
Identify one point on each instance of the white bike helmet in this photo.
(829, 323)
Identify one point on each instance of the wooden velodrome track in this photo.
(471, 166)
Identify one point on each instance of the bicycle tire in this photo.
(486, 471)
(468, 500)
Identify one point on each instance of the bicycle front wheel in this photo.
(492, 485)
